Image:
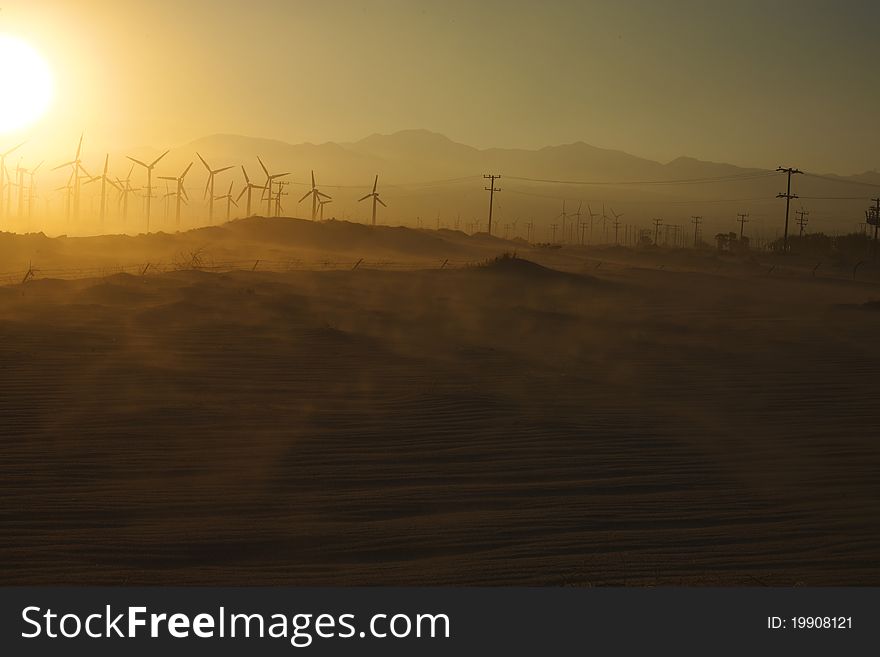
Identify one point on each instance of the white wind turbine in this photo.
(375, 196)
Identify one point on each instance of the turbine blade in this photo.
(15, 148)
(375, 182)
(216, 171)
(143, 164)
(243, 190)
(156, 161)
(381, 202)
(244, 171)
(61, 166)
(203, 162)
(364, 198)
(305, 196)
(265, 170)
(186, 171)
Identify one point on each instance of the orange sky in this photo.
(745, 82)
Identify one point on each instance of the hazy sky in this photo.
(750, 82)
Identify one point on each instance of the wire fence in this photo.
(199, 263)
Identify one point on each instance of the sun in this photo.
(25, 84)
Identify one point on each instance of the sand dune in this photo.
(509, 424)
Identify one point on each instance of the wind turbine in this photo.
(593, 215)
(68, 196)
(3, 172)
(563, 215)
(181, 191)
(321, 205)
(77, 167)
(604, 224)
(209, 187)
(375, 196)
(31, 196)
(19, 175)
(270, 181)
(104, 180)
(578, 225)
(316, 197)
(229, 201)
(249, 188)
(616, 225)
(279, 195)
(149, 187)
(124, 187)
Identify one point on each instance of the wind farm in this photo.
(628, 339)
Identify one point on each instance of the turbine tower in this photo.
(31, 195)
(209, 187)
(249, 188)
(180, 193)
(375, 196)
(68, 197)
(321, 205)
(104, 180)
(616, 225)
(4, 174)
(316, 197)
(124, 187)
(268, 187)
(593, 215)
(149, 187)
(76, 165)
(229, 201)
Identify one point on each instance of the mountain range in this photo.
(424, 175)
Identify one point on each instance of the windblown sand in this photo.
(508, 424)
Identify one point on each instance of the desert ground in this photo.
(288, 402)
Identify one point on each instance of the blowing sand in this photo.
(505, 424)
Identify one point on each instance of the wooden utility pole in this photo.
(802, 220)
(696, 221)
(875, 219)
(743, 219)
(491, 189)
(657, 223)
(787, 196)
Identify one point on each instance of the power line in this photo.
(840, 180)
(684, 181)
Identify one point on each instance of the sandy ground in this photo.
(690, 422)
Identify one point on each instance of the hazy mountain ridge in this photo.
(534, 182)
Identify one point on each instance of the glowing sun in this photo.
(25, 84)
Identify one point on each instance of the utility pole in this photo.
(491, 189)
(787, 196)
(696, 221)
(743, 220)
(875, 219)
(802, 220)
(657, 223)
